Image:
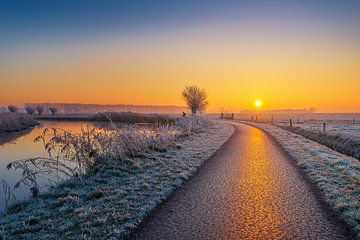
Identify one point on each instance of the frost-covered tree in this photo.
(195, 98)
(12, 108)
(53, 110)
(30, 109)
(40, 109)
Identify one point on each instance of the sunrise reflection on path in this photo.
(250, 189)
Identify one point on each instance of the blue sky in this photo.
(28, 22)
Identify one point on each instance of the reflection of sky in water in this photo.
(24, 147)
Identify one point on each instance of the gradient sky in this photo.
(289, 54)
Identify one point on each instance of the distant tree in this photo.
(195, 98)
(53, 110)
(40, 109)
(12, 108)
(30, 109)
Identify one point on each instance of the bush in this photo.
(12, 108)
(194, 123)
(15, 122)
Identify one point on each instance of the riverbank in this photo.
(13, 122)
(115, 197)
(336, 176)
(124, 117)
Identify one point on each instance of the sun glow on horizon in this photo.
(258, 103)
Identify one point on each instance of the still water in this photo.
(20, 145)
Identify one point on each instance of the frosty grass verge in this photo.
(336, 175)
(114, 200)
(341, 138)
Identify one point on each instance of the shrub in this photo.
(12, 108)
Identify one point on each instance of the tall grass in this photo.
(72, 154)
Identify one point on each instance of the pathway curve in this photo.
(250, 189)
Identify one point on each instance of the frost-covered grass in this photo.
(344, 139)
(114, 196)
(336, 175)
(348, 131)
(10, 122)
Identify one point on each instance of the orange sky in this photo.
(236, 65)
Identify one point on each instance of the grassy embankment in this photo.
(338, 143)
(118, 177)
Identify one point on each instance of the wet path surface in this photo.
(250, 189)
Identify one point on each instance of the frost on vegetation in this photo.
(336, 175)
(335, 137)
(10, 121)
(131, 170)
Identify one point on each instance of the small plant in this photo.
(53, 110)
(8, 193)
(40, 109)
(30, 109)
(12, 108)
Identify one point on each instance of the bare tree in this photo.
(12, 108)
(40, 109)
(30, 109)
(53, 110)
(195, 98)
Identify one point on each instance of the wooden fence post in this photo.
(354, 121)
(290, 122)
(252, 118)
(256, 119)
(324, 127)
(272, 120)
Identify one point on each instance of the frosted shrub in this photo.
(12, 108)
(194, 123)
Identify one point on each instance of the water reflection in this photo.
(21, 145)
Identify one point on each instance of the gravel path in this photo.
(250, 189)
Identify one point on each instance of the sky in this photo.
(289, 54)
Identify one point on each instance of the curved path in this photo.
(250, 189)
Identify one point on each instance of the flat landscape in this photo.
(168, 119)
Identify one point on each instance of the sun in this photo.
(258, 103)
